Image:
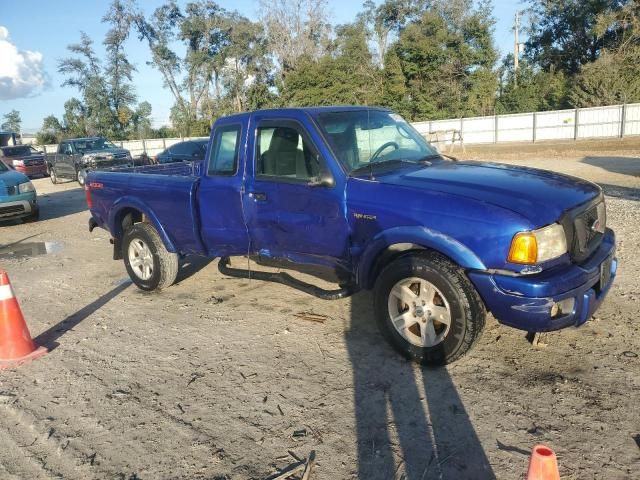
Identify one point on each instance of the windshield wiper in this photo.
(371, 165)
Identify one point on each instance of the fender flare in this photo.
(417, 235)
(136, 204)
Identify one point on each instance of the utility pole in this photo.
(516, 48)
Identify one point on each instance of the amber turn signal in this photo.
(524, 248)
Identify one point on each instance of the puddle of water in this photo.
(30, 249)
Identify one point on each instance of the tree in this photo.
(346, 76)
(84, 71)
(615, 76)
(448, 66)
(563, 34)
(51, 131)
(535, 90)
(12, 122)
(118, 70)
(224, 54)
(296, 30)
(395, 93)
(390, 17)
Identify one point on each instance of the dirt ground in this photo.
(221, 378)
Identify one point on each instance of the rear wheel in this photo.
(149, 264)
(428, 309)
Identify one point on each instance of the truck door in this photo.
(220, 195)
(294, 207)
(62, 159)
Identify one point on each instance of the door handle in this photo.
(258, 196)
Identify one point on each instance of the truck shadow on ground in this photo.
(62, 203)
(622, 165)
(410, 420)
(626, 193)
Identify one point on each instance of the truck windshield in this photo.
(364, 139)
(83, 146)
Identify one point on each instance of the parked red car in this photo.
(24, 159)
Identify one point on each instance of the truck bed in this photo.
(182, 169)
(164, 194)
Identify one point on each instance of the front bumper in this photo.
(525, 302)
(19, 206)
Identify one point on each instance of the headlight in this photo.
(538, 246)
(18, 163)
(26, 187)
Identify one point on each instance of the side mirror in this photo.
(325, 179)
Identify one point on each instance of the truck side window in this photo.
(283, 152)
(224, 151)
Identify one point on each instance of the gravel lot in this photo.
(221, 378)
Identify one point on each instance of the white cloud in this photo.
(21, 71)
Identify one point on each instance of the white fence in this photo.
(575, 124)
(150, 146)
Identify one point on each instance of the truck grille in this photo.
(11, 209)
(584, 229)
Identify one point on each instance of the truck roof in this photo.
(81, 138)
(310, 110)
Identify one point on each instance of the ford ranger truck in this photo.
(358, 191)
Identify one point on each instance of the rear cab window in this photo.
(223, 159)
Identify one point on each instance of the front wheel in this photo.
(428, 309)
(81, 177)
(149, 264)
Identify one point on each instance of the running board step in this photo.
(285, 279)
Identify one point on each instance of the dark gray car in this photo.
(189, 151)
(77, 156)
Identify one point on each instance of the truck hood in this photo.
(11, 179)
(539, 196)
(118, 152)
(32, 156)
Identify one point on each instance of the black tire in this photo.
(53, 176)
(34, 217)
(165, 263)
(467, 311)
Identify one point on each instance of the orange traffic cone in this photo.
(543, 464)
(16, 345)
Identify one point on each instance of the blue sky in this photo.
(47, 31)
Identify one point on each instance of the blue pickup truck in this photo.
(358, 191)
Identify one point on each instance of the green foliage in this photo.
(106, 104)
(395, 94)
(46, 138)
(564, 35)
(12, 121)
(225, 54)
(448, 66)
(347, 76)
(536, 90)
(612, 79)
